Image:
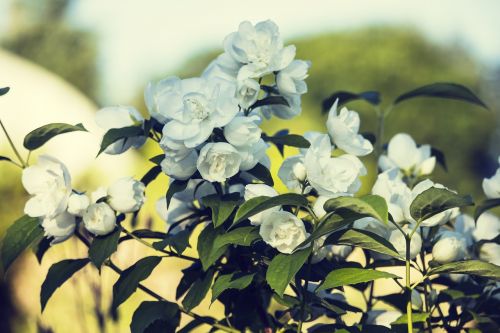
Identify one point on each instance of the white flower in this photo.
(403, 153)
(78, 203)
(397, 239)
(258, 190)
(193, 107)
(373, 225)
(283, 231)
(293, 173)
(99, 219)
(247, 92)
(59, 227)
(331, 176)
(251, 155)
(49, 184)
(126, 195)
(243, 131)
(119, 117)
(382, 317)
(180, 169)
(451, 246)
(218, 161)
(487, 227)
(490, 252)
(437, 219)
(395, 192)
(293, 109)
(491, 186)
(290, 80)
(465, 225)
(259, 49)
(98, 194)
(318, 207)
(343, 128)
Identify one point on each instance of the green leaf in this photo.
(57, 275)
(157, 159)
(222, 207)
(144, 233)
(237, 281)
(436, 200)
(270, 100)
(3, 91)
(349, 276)
(41, 248)
(178, 241)
(163, 313)
(258, 204)
(262, 173)
(283, 268)
(291, 140)
(330, 223)
(369, 205)
(443, 90)
(415, 317)
(344, 97)
(198, 291)
(103, 247)
(21, 234)
(244, 236)
(116, 134)
(38, 137)
(364, 239)
(485, 206)
(5, 158)
(130, 278)
(174, 187)
(151, 175)
(469, 267)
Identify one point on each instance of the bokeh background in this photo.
(64, 59)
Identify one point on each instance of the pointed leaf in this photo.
(283, 268)
(198, 291)
(41, 248)
(116, 134)
(3, 91)
(262, 173)
(369, 205)
(350, 276)
(103, 247)
(38, 137)
(372, 97)
(206, 251)
(162, 313)
(270, 100)
(237, 281)
(178, 241)
(331, 223)
(20, 235)
(443, 90)
(436, 200)
(57, 275)
(222, 207)
(151, 175)
(291, 140)
(470, 267)
(485, 206)
(174, 187)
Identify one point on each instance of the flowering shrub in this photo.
(275, 261)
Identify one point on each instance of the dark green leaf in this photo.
(38, 137)
(440, 158)
(291, 140)
(130, 278)
(41, 248)
(3, 91)
(369, 205)
(189, 327)
(270, 100)
(157, 159)
(198, 291)
(144, 233)
(486, 205)
(178, 241)
(262, 173)
(244, 236)
(116, 134)
(149, 312)
(230, 281)
(349, 276)
(5, 158)
(222, 207)
(372, 97)
(103, 247)
(151, 175)
(330, 223)
(259, 204)
(283, 268)
(206, 250)
(364, 239)
(57, 275)
(20, 235)
(436, 200)
(470, 267)
(443, 90)
(174, 187)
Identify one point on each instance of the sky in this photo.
(141, 39)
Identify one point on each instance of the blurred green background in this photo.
(390, 59)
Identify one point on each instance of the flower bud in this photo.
(99, 219)
(126, 195)
(299, 171)
(78, 203)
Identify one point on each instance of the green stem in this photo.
(304, 296)
(12, 145)
(409, 318)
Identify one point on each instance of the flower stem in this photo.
(21, 161)
(409, 318)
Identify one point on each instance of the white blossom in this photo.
(290, 80)
(403, 153)
(78, 203)
(252, 155)
(49, 184)
(397, 239)
(218, 161)
(395, 192)
(373, 225)
(60, 227)
(451, 246)
(247, 92)
(99, 219)
(283, 231)
(257, 190)
(382, 317)
(282, 111)
(126, 195)
(293, 173)
(118, 117)
(343, 129)
(180, 169)
(243, 131)
(487, 227)
(491, 186)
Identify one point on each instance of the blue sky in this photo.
(143, 39)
